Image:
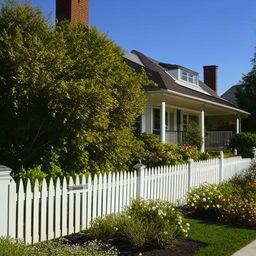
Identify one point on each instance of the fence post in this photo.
(5, 181)
(221, 166)
(190, 168)
(140, 179)
(235, 152)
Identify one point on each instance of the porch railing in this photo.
(175, 137)
(217, 139)
(214, 140)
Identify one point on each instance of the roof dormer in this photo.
(181, 73)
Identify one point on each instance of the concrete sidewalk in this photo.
(248, 250)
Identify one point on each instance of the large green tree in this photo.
(246, 98)
(67, 97)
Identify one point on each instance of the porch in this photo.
(169, 115)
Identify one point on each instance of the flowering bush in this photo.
(239, 211)
(144, 223)
(156, 153)
(161, 213)
(206, 198)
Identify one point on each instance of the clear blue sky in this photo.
(188, 33)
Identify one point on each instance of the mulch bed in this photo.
(184, 248)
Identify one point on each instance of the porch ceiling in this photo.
(182, 102)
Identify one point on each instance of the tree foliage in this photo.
(67, 97)
(246, 97)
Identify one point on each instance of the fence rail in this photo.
(51, 210)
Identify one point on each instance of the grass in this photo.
(222, 240)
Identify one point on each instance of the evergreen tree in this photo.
(246, 98)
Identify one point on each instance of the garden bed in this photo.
(186, 247)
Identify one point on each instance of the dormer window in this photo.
(188, 77)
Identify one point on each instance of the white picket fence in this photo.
(50, 211)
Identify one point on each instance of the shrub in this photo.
(206, 199)
(59, 248)
(246, 176)
(244, 143)
(238, 211)
(144, 223)
(216, 153)
(156, 153)
(11, 247)
(193, 135)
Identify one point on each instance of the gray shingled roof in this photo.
(230, 94)
(157, 73)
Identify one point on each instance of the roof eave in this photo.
(201, 100)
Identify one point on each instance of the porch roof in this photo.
(183, 101)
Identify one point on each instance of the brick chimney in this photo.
(211, 77)
(73, 10)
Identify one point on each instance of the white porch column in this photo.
(162, 122)
(201, 123)
(238, 124)
(142, 124)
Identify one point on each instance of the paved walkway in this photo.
(248, 250)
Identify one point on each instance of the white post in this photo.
(190, 169)
(142, 124)
(235, 152)
(237, 125)
(201, 121)
(5, 181)
(221, 166)
(140, 179)
(162, 123)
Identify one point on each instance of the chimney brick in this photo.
(211, 77)
(73, 10)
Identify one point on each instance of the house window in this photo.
(188, 77)
(156, 120)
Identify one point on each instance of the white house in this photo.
(179, 97)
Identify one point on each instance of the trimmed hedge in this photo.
(244, 143)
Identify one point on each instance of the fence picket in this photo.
(109, 186)
(84, 204)
(28, 209)
(70, 208)
(57, 208)
(43, 211)
(94, 198)
(77, 195)
(35, 208)
(64, 203)
(21, 198)
(104, 195)
(50, 210)
(89, 204)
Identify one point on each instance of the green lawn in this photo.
(222, 240)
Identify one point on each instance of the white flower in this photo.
(204, 199)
